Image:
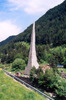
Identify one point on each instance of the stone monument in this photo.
(32, 61)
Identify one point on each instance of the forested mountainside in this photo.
(7, 40)
(50, 28)
(50, 32)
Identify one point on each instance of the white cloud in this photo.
(7, 28)
(34, 6)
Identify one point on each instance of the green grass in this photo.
(60, 69)
(42, 63)
(12, 90)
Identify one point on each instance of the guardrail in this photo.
(21, 81)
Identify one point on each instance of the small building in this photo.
(60, 66)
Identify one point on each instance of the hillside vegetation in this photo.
(50, 34)
(45, 53)
(50, 28)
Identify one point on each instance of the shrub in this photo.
(32, 73)
(18, 64)
(49, 81)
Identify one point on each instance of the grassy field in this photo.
(12, 90)
(60, 69)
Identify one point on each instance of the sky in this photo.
(17, 15)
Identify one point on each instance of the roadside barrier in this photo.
(26, 84)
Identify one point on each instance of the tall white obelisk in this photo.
(32, 61)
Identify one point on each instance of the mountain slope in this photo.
(50, 28)
(7, 40)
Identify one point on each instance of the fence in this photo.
(21, 81)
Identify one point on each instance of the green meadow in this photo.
(62, 69)
(13, 90)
